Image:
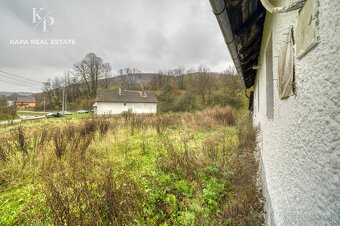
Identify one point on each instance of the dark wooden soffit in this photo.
(246, 20)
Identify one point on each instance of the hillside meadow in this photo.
(170, 169)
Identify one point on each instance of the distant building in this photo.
(95, 107)
(288, 55)
(118, 101)
(25, 102)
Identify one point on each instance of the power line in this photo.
(21, 77)
(19, 84)
(30, 83)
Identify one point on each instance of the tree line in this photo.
(177, 89)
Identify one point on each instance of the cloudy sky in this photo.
(147, 34)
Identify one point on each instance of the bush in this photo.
(8, 112)
(215, 117)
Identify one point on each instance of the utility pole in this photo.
(63, 104)
(66, 100)
(65, 86)
(44, 105)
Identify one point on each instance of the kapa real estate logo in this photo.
(42, 19)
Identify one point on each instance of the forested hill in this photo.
(178, 89)
(187, 92)
(8, 94)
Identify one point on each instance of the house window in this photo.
(251, 104)
(124, 104)
(269, 80)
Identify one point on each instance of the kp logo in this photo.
(44, 20)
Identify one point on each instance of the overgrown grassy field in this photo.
(182, 169)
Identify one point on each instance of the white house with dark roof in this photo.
(119, 101)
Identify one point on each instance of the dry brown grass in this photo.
(75, 197)
(81, 187)
(245, 206)
(212, 118)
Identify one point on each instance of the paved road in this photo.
(14, 121)
(22, 119)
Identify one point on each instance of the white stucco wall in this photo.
(117, 108)
(300, 146)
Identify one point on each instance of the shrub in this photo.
(21, 140)
(215, 117)
(223, 115)
(228, 97)
(8, 112)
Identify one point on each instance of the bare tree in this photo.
(179, 77)
(230, 70)
(202, 83)
(52, 93)
(90, 69)
(130, 77)
(107, 75)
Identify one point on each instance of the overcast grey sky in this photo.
(146, 34)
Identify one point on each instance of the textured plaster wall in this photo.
(117, 108)
(300, 147)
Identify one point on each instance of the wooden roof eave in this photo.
(246, 20)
